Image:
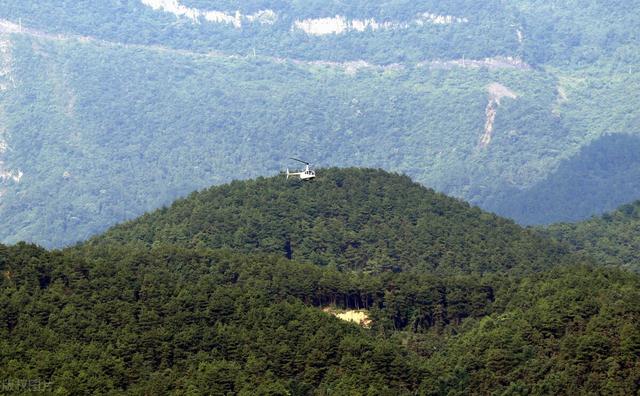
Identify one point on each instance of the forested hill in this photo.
(350, 218)
(168, 320)
(144, 101)
(378, 31)
(150, 308)
(613, 239)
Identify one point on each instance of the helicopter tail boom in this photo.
(290, 174)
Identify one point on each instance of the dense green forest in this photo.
(613, 239)
(598, 178)
(525, 108)
(561, 33)
(111, 131)
(171, 320)
(360, 219)
(157, 312)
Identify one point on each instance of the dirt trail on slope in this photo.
(496, 92)
(348, 67)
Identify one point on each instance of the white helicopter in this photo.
(306, 174)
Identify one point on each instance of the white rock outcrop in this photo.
(196, 15)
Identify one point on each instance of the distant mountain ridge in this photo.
(139, 106)
(602, 176)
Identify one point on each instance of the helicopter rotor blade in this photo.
(295, 159)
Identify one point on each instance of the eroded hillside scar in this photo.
(496, 92)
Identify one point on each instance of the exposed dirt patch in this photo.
(358, 316)
(496, 92)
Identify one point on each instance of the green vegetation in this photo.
(177, 321)
(612, 238)
(562, 33)
(133, 312)
(487, 34)
(360, 219)
(111, 109)
(177, 116)
(598, 178)
(148, 107)
(564, 332)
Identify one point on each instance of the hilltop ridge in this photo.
(139, 105)
(460, 301)
(351, 218)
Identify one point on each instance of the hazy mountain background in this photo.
(525, 108)
(112, 109)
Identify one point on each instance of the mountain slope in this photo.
(178, 321)
(350, 218)
(612, 238)
(139, 106)
(383, 32)
(600, 178)
(111, 132)
(566, 33)
(124, 317)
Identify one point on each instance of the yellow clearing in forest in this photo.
(359, 316)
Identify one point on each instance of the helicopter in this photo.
(306, 174)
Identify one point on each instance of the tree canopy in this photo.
(361, 219)
(163, 312)
(611, 238)
(139, 107)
